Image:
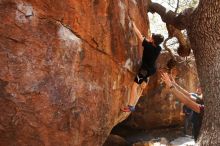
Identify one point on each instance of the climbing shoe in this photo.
(128, 108)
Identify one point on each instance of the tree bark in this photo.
(204, 34)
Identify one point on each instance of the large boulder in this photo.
(158, 108)
(66, 69)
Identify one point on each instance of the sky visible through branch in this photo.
(158, 26)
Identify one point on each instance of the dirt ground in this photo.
(133, 136)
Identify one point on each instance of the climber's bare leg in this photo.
(140, 90)
(133, 94)
(132, 100)
(136, 92)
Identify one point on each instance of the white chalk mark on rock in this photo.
(128, 64)
(134, 1)
(122, 13)
(24, 12)
(69, 38)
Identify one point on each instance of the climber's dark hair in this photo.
(158, 39)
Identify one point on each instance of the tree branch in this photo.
(179, 21)
(184, 44)
(168, 49)
(175, 23)
(177, 6)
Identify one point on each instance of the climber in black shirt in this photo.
(150, 53)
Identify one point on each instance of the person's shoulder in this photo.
(159, 48)
(145, 42)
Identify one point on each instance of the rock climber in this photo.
(151, 51)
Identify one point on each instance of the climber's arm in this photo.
(138, 33)
(140, 36)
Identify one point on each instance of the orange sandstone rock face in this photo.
(66, 69)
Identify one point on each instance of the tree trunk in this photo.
(204, 33)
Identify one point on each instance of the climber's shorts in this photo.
(141, 76)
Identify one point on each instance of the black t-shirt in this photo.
(150, 55)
